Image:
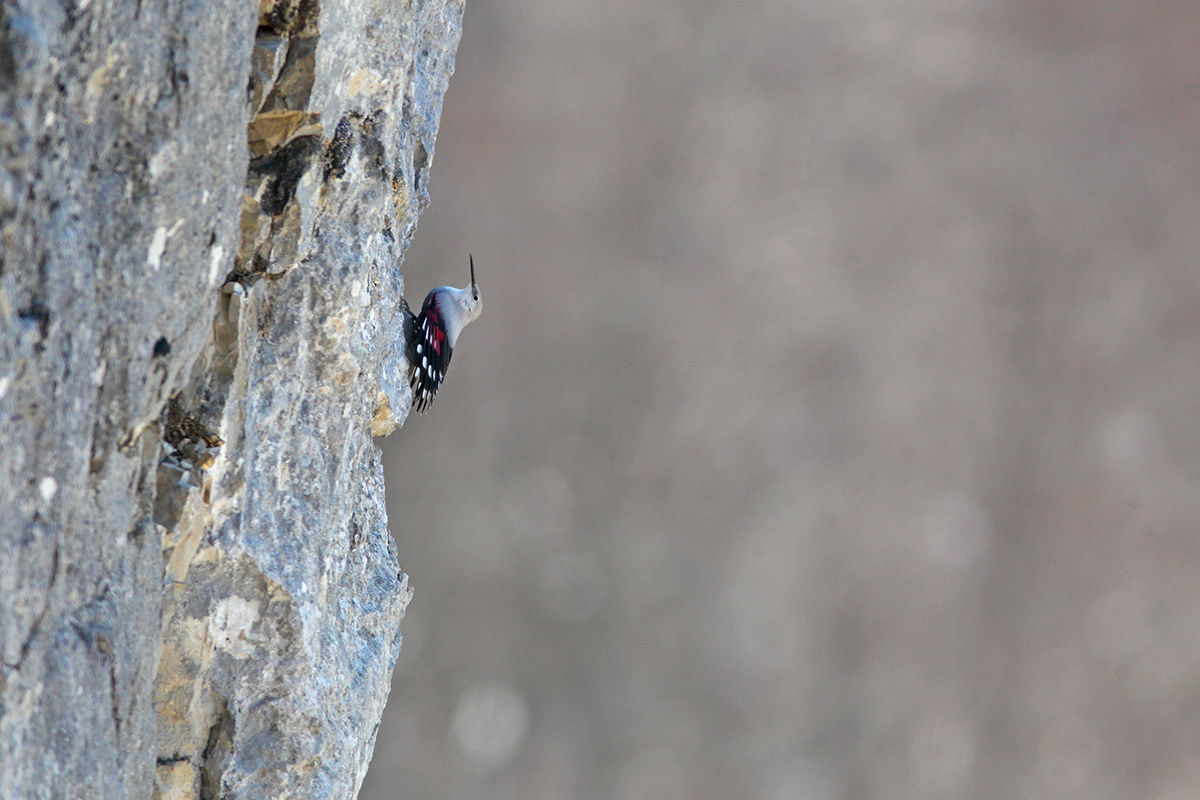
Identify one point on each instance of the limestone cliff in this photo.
(203, 208)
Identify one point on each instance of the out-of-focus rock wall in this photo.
(202, 213)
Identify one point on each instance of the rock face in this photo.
(203, 209)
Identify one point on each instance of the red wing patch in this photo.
(431, 357)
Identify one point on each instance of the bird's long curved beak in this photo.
(472, 258)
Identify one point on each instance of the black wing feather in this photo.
(431, 355)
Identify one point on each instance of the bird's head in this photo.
(464, 306)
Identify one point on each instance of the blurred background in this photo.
(830, 430)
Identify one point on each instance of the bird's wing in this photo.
(432, 356)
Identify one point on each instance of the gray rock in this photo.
(199, 284)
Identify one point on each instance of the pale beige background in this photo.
(831, 427)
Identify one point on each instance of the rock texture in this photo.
(203, 209)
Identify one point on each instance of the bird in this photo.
(430, 337)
